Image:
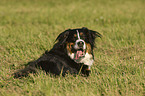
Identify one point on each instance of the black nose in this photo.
(80, 44)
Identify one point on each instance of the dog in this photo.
(72, 53)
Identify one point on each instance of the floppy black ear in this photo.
(94, 34)
(91, 35)
(62, 37)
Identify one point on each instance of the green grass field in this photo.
(29, 27)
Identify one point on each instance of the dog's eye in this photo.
(83, 37)
(73, 38)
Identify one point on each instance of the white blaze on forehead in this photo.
(79, 40)
(78, 34)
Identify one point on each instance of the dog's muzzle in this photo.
(80, 48)
(80, 44)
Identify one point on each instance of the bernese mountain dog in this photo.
(72, 53)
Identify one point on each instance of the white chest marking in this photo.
(86, 60)
(71, 55)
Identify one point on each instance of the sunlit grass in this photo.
(28, 28)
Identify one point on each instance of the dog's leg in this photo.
(86, 71)
(24, 72)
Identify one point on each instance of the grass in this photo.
(29, 27)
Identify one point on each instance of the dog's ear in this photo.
(91, 35)
(62, 37)
(95, 34)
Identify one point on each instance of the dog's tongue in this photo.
(78, 54)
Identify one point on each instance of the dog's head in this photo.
(79, 44)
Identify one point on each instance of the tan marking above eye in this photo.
(75, 35)
(81, 33)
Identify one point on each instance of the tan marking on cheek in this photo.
(69, 47)
(88, 48)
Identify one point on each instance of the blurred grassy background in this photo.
(29, 27)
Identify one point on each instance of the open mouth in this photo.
(79, 54)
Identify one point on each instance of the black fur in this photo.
(56, 61)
